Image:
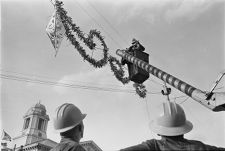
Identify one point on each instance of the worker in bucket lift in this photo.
(69, 122)
(172, 126)
(135, 46)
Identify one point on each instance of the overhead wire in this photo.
(192, 115)
(184, 100)
(178, 97)
(53, 83)
(219, 88)
(173, 98)
(97, 23)
(155, 82)
(147, 109)
(9, 77)
(53, 78)
(46, 77)
(106, 20)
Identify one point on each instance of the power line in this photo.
(98, 24)
(184, 100)
(100, 14)
(53, 83)
(156, 82)
(51, 78)
(25, 79)
(177, 97)
(173, 98)
(147, 108)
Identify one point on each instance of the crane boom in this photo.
(215, 103)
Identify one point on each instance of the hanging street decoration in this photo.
(140, 89)
(55, 31)
(61, 24)
(71, 28)
(119, 73)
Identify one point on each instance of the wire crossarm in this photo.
(215, 103)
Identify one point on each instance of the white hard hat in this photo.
(67, 117)
(173, 122)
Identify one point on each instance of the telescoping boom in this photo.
(214, 101)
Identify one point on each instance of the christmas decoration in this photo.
(66, 24)
(140, 89)
(55, 30)
(119, 73)
(88, 41)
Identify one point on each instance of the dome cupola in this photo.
(35, 123)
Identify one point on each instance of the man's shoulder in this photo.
(68, 146)
(205, 146)
(146, 145)
(77, 148)
(150, 141)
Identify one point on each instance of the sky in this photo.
(184, 38)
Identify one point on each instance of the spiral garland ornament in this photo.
(69, 28)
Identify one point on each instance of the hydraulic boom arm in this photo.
(216, 102)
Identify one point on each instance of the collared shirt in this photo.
(67, 144)
(172, 144)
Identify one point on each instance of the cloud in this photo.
(102, 78)
(154, 10)
(189, 9)
(147, 10)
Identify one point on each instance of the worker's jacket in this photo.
(172, 144)
(67, 144)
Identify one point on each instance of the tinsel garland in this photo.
(140, 89)
(70, 27)
(119, 73)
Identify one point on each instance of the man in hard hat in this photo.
(171, 126)
(135, 46)
(69, 122)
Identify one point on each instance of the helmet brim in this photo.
(171, 131)
(70, 127)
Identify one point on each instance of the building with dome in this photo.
(34, 127)
(33, 136)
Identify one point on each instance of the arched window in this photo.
(27, 122)
(40, 124)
